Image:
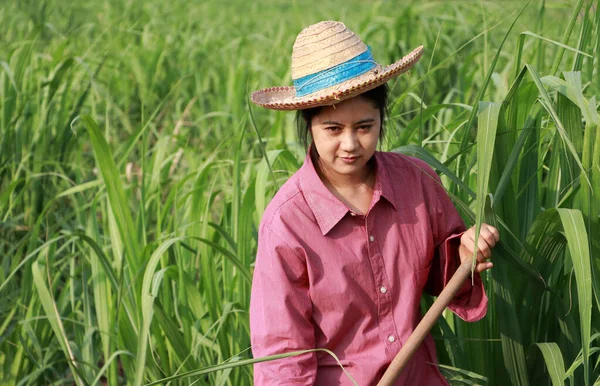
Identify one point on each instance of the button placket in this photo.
(386, 322)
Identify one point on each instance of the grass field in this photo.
(134, 173)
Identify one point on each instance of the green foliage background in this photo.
(134, 173)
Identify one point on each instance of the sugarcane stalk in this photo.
(435, 311)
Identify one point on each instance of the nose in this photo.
(349, 141)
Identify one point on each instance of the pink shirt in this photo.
(325, 277)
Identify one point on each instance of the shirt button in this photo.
(372, 238)
(383, 290)
(391, 338)
(352, 214)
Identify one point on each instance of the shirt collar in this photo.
(383, 183)
(327, 208)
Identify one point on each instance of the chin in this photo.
(350, 169)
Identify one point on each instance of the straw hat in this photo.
(330, 64)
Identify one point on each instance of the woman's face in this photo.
(345, 136)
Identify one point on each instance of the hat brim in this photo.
(284, 98)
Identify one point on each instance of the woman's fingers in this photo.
(465, 255)
(468, 235)
(488, 237)
(484, 249)
(494, 232)
(487, 233)
(483, 266)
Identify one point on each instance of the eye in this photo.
(333, 128)
(365, 127)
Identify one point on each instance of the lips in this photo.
(349, 160)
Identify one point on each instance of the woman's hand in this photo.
(488, 237)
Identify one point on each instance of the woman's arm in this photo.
(470, 304)
(280, 314)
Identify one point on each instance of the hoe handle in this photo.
(419, 334)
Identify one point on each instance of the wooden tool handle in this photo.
(432, 315)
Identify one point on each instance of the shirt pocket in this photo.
(420, 276)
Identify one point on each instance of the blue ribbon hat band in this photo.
(352, 68)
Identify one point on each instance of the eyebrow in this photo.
(368, 120)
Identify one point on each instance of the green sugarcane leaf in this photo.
(463, 376)
(245, 362)
(564, 46)
(150, 284)
(116, 194)
(54, 318)
(577, 362)
(486, 138)
(577, 240)
(549, 106)
(422, 153)
(554, 362)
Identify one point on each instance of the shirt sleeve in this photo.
(470, 303)
(281, 314)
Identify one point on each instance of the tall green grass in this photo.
(134, 173)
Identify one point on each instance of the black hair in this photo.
(378, 96)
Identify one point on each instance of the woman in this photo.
(351, 240)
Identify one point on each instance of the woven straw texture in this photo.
(320, 47)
